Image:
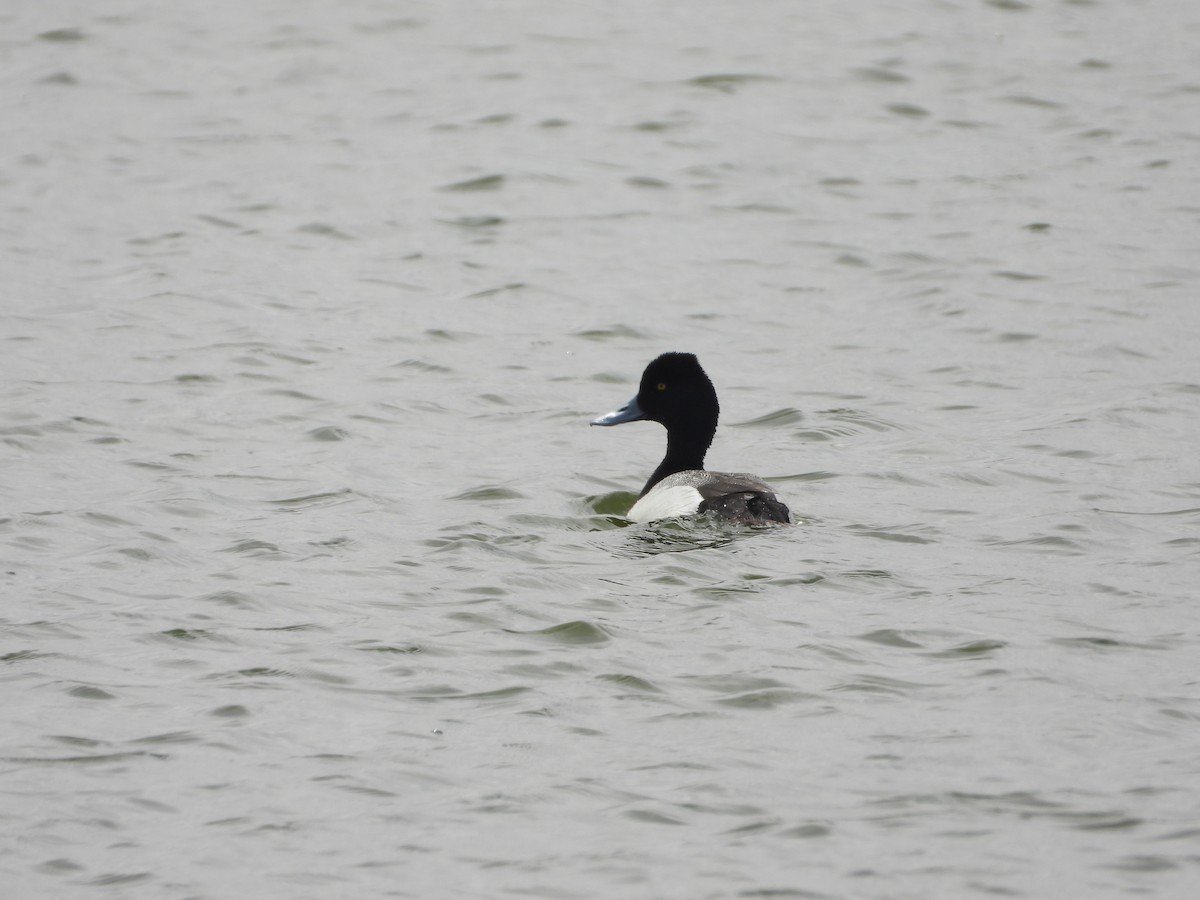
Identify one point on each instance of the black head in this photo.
(676, 392)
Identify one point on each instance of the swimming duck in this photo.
(676, 393)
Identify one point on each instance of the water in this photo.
(313, 578)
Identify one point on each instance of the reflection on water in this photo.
(312, 565)
(680, 536)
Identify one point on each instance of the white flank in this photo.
(666, 503)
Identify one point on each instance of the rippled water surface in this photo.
(315, 581)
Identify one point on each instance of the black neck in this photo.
(686, 447)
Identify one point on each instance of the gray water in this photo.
(314, 580)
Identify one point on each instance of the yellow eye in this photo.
(662, 386)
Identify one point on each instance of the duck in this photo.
(676, 392)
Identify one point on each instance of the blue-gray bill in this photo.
(630, 412)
